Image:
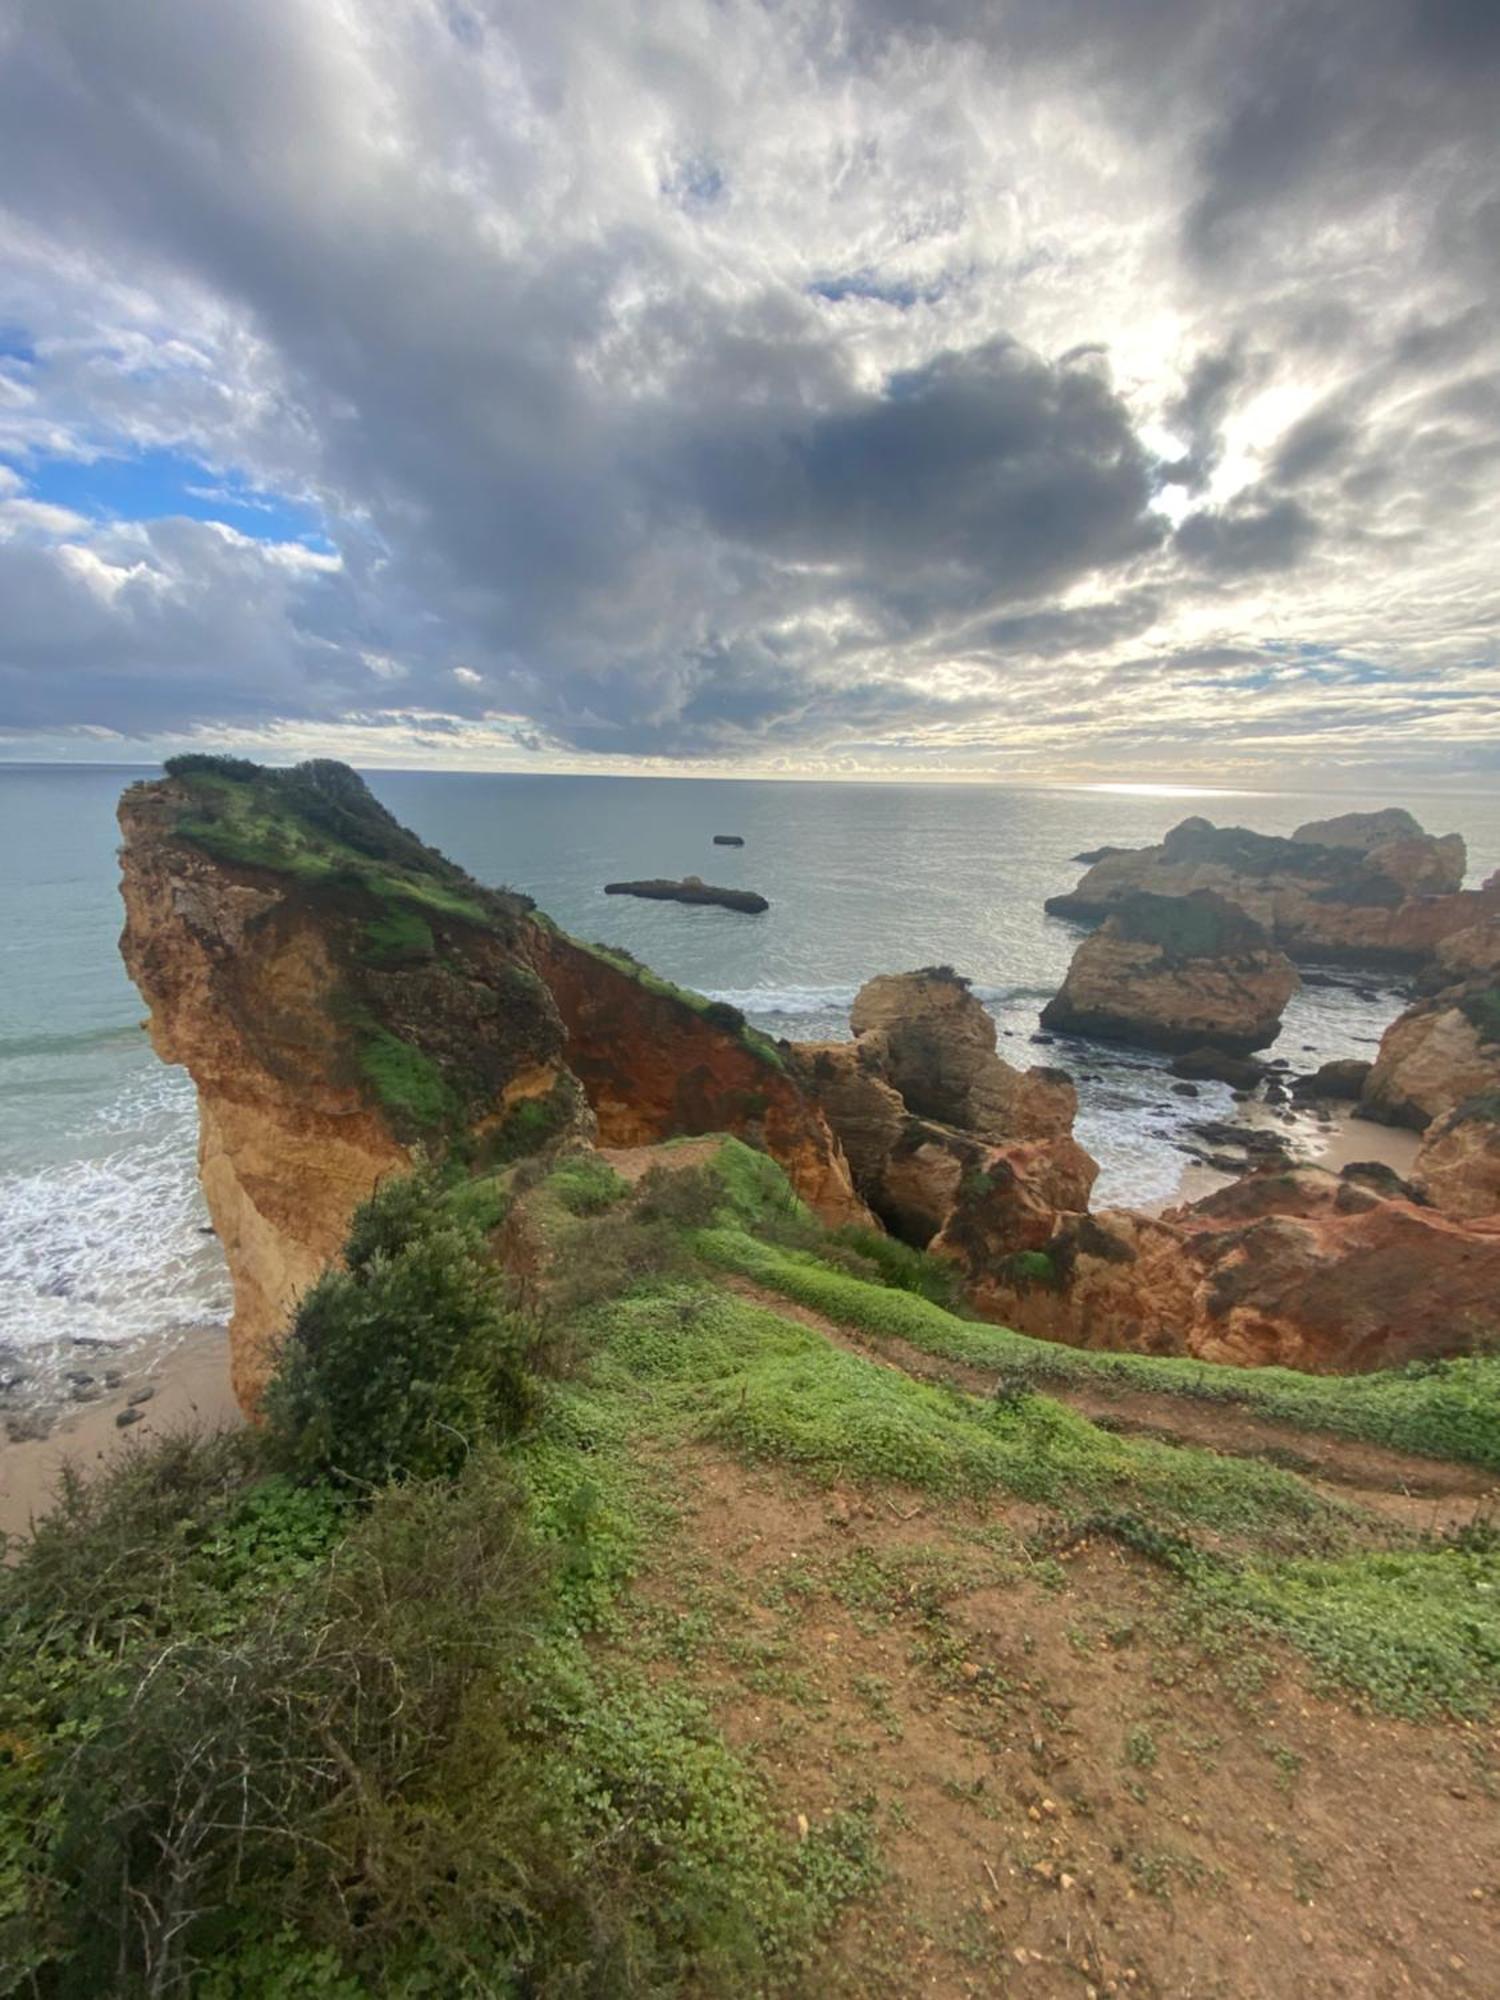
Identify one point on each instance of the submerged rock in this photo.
(691, 890)
(1176, 973)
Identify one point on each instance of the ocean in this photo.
(103, 1234)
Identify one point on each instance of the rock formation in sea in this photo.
(921, 1100)
(1443, 1049)
(1370, 887)
(1176, 972)
(691, 889)
(342, 995)
(729, 840)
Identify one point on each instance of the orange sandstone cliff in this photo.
(341, 994)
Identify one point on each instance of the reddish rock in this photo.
(658, 1065)
(1300, 1270)
(1436, 1055)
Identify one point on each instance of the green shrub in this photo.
(406, 1080)
(587, 1185)
(239, 770)
(687, 1197)
(402, 1362)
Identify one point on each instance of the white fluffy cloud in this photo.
(1025, 385)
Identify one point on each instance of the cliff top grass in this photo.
(485, 1689)
(320, 823)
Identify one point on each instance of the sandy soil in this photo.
(189, 1388)
(1336, 1144)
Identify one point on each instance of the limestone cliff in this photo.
(338, 995)
(1346, 893)
(1457, 1167)
(1441, 1051)
(1176, 972)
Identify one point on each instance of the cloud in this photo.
(887, 380)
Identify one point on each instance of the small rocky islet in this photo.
(691, 889)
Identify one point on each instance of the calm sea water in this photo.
(101, 1223)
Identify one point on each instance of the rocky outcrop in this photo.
(691, 889)
(729, 840)
(1473, 953)
(1176, 972)
(1354, 896)
(1437, 1054)
(341, 994)
(922, 1102)
(1300, 1269)
(1362, 830)
(936, 1044)
(1457, 1166)
(331, 1019)
(659, 1063)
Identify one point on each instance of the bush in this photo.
(399, 1364)
(587, 1185)
(688, 1198)
(212, 765)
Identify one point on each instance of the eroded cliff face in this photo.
(1440, 1052)
(1362, 893)
(921, 1101)
(656, 1064)
(341, 994)
(330, 1026)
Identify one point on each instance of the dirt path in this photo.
(1428, 1495)
(1069, 1800)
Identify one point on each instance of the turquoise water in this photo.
(101, 1224)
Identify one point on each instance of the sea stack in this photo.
(1176, 972)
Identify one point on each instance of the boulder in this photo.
(1470, 954)
(1343, 1079)
(1176, 973)
(729, 840)
(1437, 1054)
(936, 1045)
(1381, 890)
(1457, 1167)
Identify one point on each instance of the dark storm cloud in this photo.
(667, 423)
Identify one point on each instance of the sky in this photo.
(1036, 390)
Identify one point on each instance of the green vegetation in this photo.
(406, 1080)
(1481, 1008)
(1202, 925)
(367, 1702)
(1437, 1409)
(402, 1363)
(320, 823)
(398, 937)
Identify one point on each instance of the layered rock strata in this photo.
(1376, 891)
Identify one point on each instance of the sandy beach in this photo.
(188, 1388)
(1335, 1140)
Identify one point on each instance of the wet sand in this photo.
(1335, 1143)
(189, 1390)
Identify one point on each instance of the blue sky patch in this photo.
(151, 485)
